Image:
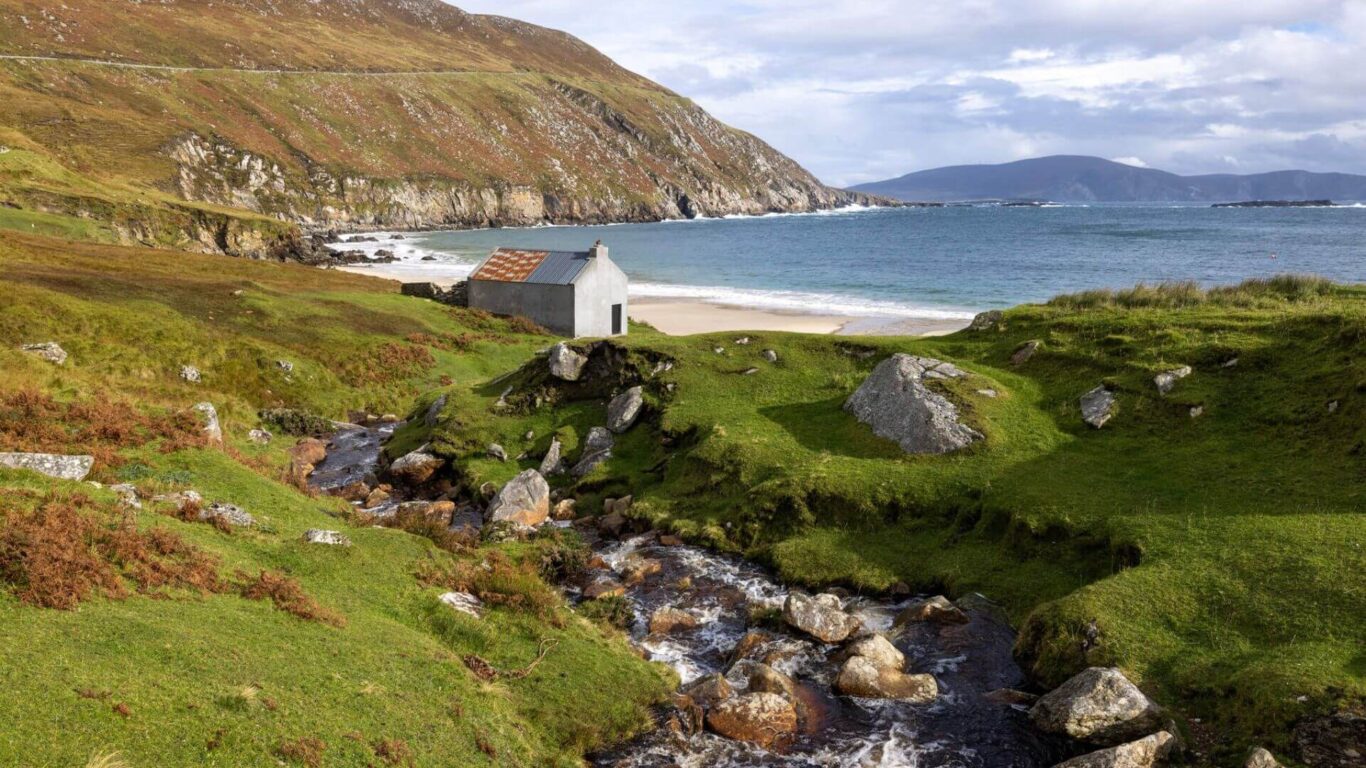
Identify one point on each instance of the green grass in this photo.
(221, 680)
(1221, 557)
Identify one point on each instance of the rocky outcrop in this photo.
(525, 500)
(1098, 706)
(52, 465)
(1098, 406)
(821, 616)
(759, 718)
(895, 402)
(566, 364)
(1146, 752)
(624, 408)
(50, 351)
(209, 416)
(190, 373)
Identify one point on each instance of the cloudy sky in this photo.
(860, 90)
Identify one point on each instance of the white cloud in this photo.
(866, 89)
(1134, 161)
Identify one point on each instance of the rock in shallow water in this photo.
(935, 610)
(1099, 706)
(821, 616)
(1144, 753)
(758, 718)
(416, 467)
(861, 676)
(895, 402)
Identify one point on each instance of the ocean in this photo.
(930, 263)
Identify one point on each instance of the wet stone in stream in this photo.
(962, 728)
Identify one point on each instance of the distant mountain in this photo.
(1071, 178)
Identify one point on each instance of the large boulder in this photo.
(209, 416)
(1146, 752)
(878, 650)
(1099, 706)
(935, 610)
(820, 616)
(759, 718)
(50, 464)
(597, 448)
(565, 363)
(624, 408)
(525, 499)
(861, 676)
(50, 351)
(709, 691)
(1097, 406)
(895, 402)
(416, 467)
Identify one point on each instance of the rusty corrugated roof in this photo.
(512, 265)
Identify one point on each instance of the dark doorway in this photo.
(616, 319)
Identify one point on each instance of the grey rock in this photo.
(50, 464)
(525, 499)
(50, 351)
(465, 603)
(498, 452)
(1333, 407)
(769, 355)
(1147, 752)
(880, 651)
(416, 467)
(1197, 411)
(861, 676)
(990, 393)
(128, 495)
(433, 414)
(749, 371)
(285, 366)
(1261, 758)
(1024, 352)
(1166, 380)
(719, 350)
(624, 408)
(552, 463)
(209, 415)
(742, 341)
(597, 448)
(709, 690)
(821, 616)
(1099, 706)
(565, 363)
(329, 538)
(190, 374)
(985, 321)
(260, 436)
(232, 513)
(1232, 362)
(1097, 406)
(505, 530)
(895, 402)
(935, 610)
(179, 498)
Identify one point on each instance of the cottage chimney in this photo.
(597, 250)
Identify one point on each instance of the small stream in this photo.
(961, 729)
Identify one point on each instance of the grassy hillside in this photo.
(1218, 559)
(161, 640)
(394, 113)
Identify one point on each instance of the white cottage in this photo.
(573, 293)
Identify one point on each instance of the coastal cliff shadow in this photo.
(823, 426)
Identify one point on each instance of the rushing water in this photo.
(933, 262)
(963, 728)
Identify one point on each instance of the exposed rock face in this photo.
(417, 467)
(895, 402)
(1097, 406)
(552, 462)
(209, 415)
(50, 464)
(231, 513)
(1166, 380)
(1337, 740)
(937, 610)
(861, 676)
(329, 538)
(565, 363)
(597, 448)
(1099, 706)
(464, 602)
(525, 499)
(985, 321)
(624, 408)
(50, 351)
(1024, 352)
(759, 718)
(821, 616)
(1147, 752)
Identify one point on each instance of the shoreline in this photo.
(686, 316)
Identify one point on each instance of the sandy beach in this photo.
(678, 316)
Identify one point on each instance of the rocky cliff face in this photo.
(352, 115)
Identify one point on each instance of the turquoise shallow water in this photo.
(938, 262)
